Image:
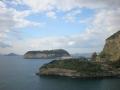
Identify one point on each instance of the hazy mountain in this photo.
(11, 54)
(77, 55)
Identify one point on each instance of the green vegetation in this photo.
(115, 64)
(75, 64)
(57, 51)
(102, 55)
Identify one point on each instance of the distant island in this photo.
(11, 54)
(106, 64)
(47, 54)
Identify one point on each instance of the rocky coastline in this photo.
(83, 69)
(104, 65)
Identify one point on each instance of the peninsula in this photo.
(106, 64)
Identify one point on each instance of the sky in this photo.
(78, 26)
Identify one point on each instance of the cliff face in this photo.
(46, 54)
(111, 49)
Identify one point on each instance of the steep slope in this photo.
(111, 49)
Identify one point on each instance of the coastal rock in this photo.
(111, 51)
(47, 54)
(77, 69)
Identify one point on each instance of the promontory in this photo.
(105, 64)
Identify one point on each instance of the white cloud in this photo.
(66, 5)
(11, 20)
(105, 22)
(40, 5)
(71, 16)
(48, 6)
(20, 21)
(102, 25)
(51, 14)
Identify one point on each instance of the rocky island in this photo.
(12, 54)
(47, 54)
(106, 64)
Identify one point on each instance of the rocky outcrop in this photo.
(111, 51)
(78, 69)
(47, 54)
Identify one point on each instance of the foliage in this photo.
(102, 55)
(115, 64)
(75, 64)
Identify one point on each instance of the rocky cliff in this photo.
(111, 51)
(46, 54)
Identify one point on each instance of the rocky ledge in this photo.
(47, 54)
(78, 69)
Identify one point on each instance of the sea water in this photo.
(17, 73)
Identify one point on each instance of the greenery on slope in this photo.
(115, 64)
(75, 64)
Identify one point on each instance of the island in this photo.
(104, 65)
(12, 54)
(47, 54)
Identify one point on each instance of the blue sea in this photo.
(17, 73)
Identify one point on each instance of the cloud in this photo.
(4, 45)
(51, 14)
(11, 20)
(39, 5)
(105, 22)
(71, 16)
(20, 21)
(50, 7)
(101, 26)
(66, 5)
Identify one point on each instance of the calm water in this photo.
(17, 73)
